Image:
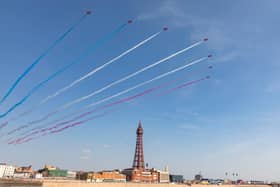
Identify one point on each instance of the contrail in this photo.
(60, 71)
(128, 99)
(56, 129)
(128, 90)
(87, 76)
(67, 105)
(149, 81)
(182, 86)
(22, 141)
(99, 68)
(131, 75)
(114, 83)
(77, 123)
(45, 130)
(38, 60)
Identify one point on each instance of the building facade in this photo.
(139, 175)
(176, 178)
(9, 171)
(23, 172)
(57, 173)
(2, 170)
(71, 174)
(163, 176)
(102, 176)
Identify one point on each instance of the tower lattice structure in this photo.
(138, 161)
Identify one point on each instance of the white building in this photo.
(163, 176)
(38, 176)
(9, 171)
(21, 175)
(2, 170)
(71, 174)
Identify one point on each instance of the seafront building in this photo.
(6, 171)
(102, 176)
(176, 178)
(50, 171)
(9, 171)
(23, 172)
(2, 170)
(164, 176)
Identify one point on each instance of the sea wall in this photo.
(83, 184)
(19, 183)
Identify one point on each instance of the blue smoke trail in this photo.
(47, 51)
(99, 43)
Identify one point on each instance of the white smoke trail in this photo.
(127, 90)
(129, 76)
(99, 68)
(91, 73)
(67, 105)
(147, 82)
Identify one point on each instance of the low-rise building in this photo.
(146, 175)
(204, 181)
(87, 176)
(176, 178)
(9, 171)
(71, 174)
(50, 167)
(38, 175)
(141, 175)
(22, 175)
(198, 177)
(2, 169)
(102, 176)
(23, 172)
(57, 173)
(163, 177)
(24, 169)
(109, 176)
(53, 172)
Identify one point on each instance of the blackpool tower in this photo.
(138, 161)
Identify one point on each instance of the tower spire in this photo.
(138, 161)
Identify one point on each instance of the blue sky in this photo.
(226, 124)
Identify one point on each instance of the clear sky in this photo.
(229, 123)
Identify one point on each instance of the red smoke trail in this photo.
(27, 140)
(84, 114)
(131, 98)
(90, 112)
(182, 86)
(163, 60)
(100, 108)
(77, 123)
(140, 84)
(21, 140)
